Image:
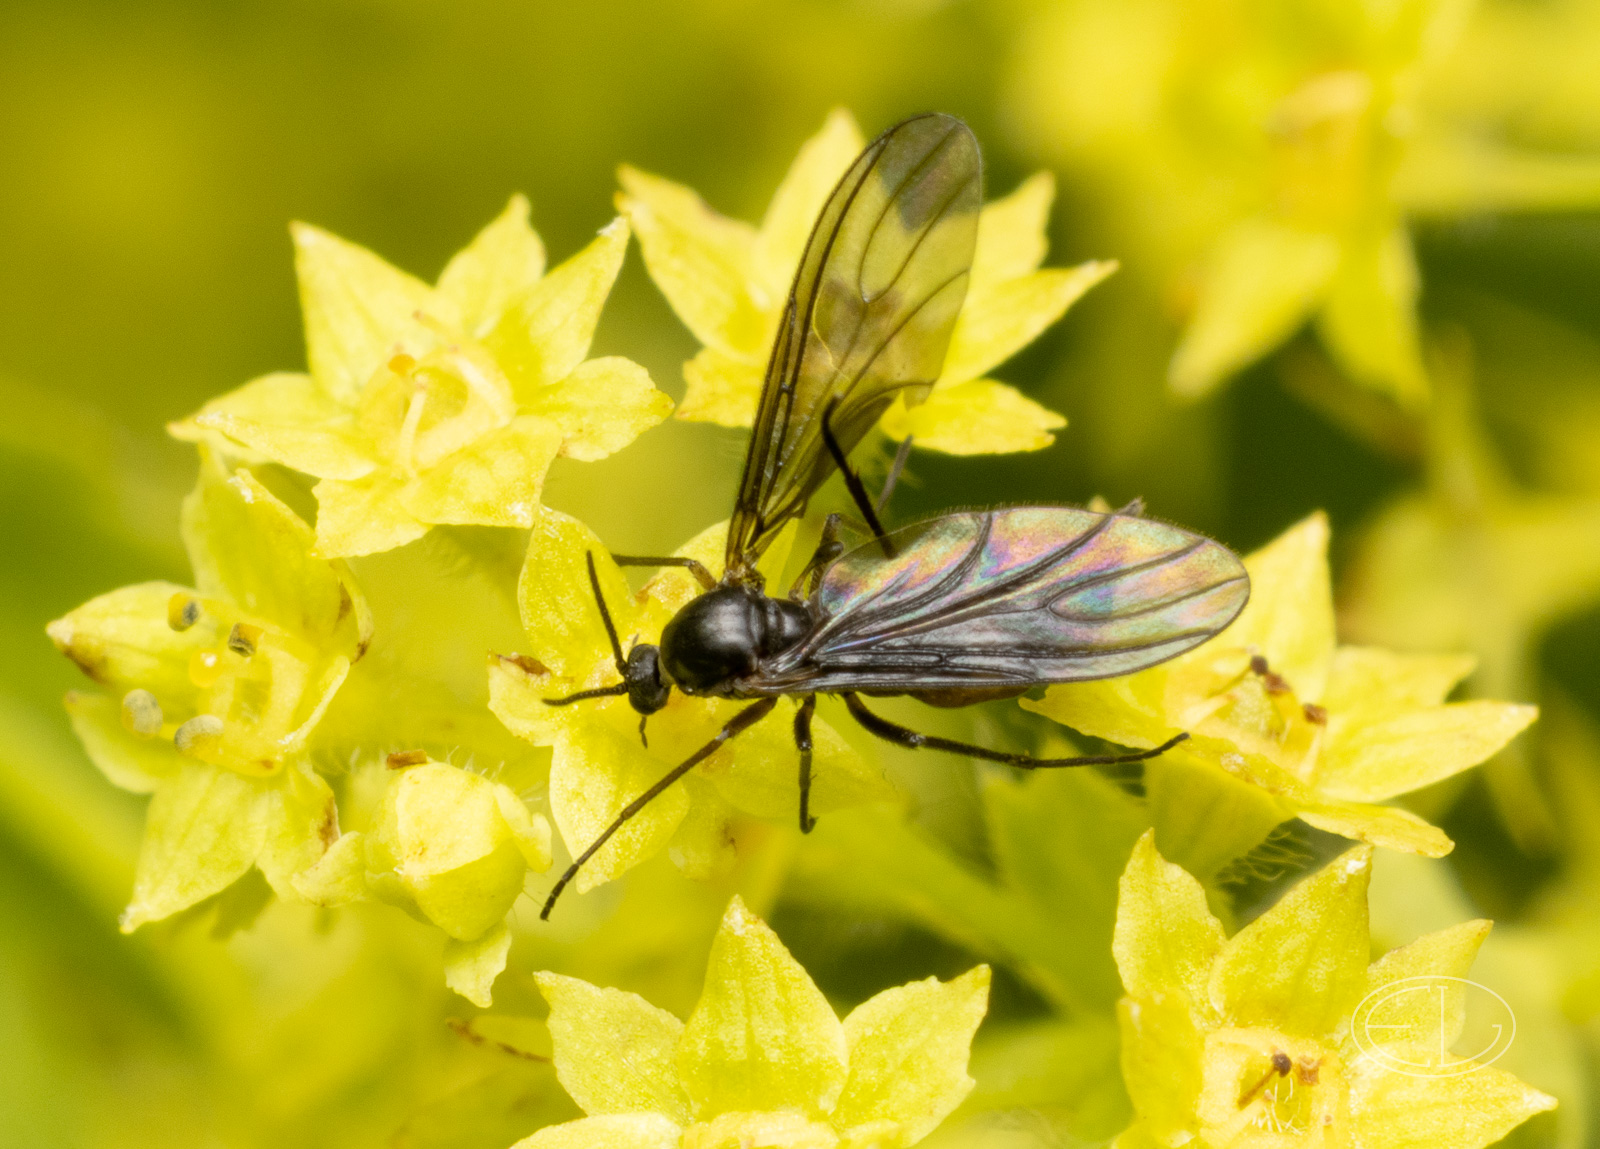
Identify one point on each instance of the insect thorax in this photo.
(725, 633)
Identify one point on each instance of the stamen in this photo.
(199, 733)
(242, 639)
(182, 611)
(1281, 1065)
(141, 713)
(404, 758)
(408, 429)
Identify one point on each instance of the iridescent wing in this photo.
(1002, 599)
(869, 316)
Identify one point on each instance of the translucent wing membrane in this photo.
(869, 317)
(1009, 598)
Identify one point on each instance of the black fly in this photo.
(959, 609)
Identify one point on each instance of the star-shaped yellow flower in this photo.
(1318, 731)
(600, 762)
(215, 693)
(763, 1060)
(1283, 1035)
(1268, 160)
(448, 846)
(728, 282)
(442, 404)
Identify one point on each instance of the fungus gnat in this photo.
(959, 609)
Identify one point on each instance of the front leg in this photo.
(828, 548)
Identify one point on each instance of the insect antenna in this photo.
(616, 647)
(737, 725)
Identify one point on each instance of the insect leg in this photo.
(828, 548)
(737, 725)
(802, 742)
(694, 566)
(900, 456)
(903, 736)
(858, 491)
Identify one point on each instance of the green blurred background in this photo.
(152, 156)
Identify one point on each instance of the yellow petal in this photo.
(203, 832)
(289, 419)
(721, 390)
(302, 821)
(601, 407)
(339, 876)
(613, 1050)
(1368, 763)
(1289, 618)
(1301, 966)
(1461, 1110)
(249, 548)
(1386, 826)
(1365, 682)
(700, 260)
(1162, 1058)
(471, 966)
(359, 311)
(1127, 710)
(1205, 815)
(564, 626)
(908, 1054)
(1419, 989)
(545, 331)
(495, 482)
(762, 1036)
(505, 258)
(1263, 282)
(613, 1131)
(127, 760)
(363, 517)
(796, 204)
(1166, 938)
(980, 417)
(703, 845)
(1012, 232)
(530, 833)
(597, 770)
(999, 320)
(1369, 321)
(123, 639)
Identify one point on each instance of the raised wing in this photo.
(1009, 598)
(869, 316)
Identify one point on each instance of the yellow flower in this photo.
(443, 404)
(1302, 727)
(762, 1060)
(1269, 159)
(600, 762)
(215, 693)
(728, 282)
(448, 846)
(1283, 1035)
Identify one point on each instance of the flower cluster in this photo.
(763, 1059)
(1262, 1040)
